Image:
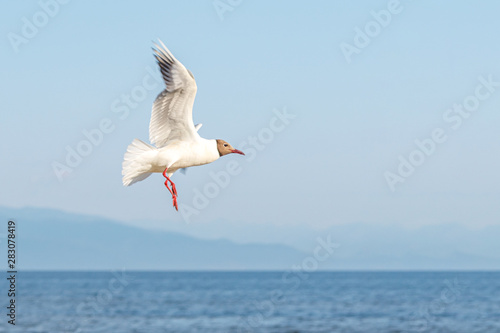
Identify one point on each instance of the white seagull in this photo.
(171, 130)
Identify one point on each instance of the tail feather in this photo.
(136, 162)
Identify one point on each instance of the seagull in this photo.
(175, 142)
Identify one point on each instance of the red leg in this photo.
(172, 191)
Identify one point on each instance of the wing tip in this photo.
(163, 51)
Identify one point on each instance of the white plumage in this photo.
(176, 141)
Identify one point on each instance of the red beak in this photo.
(236, 151)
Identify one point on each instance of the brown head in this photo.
(225, 148)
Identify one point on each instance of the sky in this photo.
(377, 112)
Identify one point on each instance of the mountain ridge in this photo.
(49, 239)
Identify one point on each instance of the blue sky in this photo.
(325, 165)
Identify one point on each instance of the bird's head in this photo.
(225, 148)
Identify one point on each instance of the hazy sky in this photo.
(360, 82)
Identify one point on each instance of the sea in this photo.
(288, 302)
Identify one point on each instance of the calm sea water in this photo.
(152, 302)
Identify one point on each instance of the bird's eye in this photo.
(225, 145)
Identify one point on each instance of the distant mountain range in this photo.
(55, 240)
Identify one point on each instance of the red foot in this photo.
(173, 188)
(172, 191)
(175, 203)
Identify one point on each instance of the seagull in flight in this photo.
(175, 142)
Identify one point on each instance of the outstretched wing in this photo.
(172, 115)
